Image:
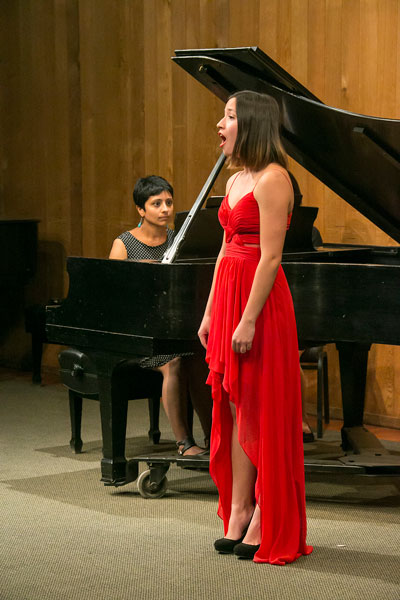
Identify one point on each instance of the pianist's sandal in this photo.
(206, 451)
(186, 444)
(308, 437)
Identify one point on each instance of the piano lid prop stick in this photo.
(171, 254)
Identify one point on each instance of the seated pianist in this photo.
(153, 197)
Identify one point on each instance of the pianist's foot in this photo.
(184, 450)
(308, 435)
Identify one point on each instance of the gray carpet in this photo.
(66, 536)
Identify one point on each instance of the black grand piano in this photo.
(342, 294)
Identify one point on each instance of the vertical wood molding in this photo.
(71, 13)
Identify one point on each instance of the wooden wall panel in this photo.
(179, 107)
(41, 140)
(108, 119)
(93, 101)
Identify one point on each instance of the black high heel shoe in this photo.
(226, 545)
(245, 550)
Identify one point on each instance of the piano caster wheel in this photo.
(148, 489)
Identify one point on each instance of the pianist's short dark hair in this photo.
(258, 142)
(150, 186)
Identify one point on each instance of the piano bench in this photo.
(315, 358)
(78, 374)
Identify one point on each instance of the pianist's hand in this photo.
(204, 330)
(242, 338)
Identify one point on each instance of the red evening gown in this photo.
(264, 385)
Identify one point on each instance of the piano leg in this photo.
(353, 360)
(115, 469)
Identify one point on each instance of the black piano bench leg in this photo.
(75, 411)
(154, 414)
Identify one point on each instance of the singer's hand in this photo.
(242, 339)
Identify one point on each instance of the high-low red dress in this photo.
(264, 385)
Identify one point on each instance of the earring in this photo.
(140, 222)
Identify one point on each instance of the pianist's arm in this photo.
(118, 250)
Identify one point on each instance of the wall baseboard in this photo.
(369, 418)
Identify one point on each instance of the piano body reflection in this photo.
(342, 294)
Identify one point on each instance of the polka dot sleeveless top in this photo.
(137, 250)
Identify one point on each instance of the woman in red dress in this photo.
(249, 331)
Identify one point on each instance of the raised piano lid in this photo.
(357, 156)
